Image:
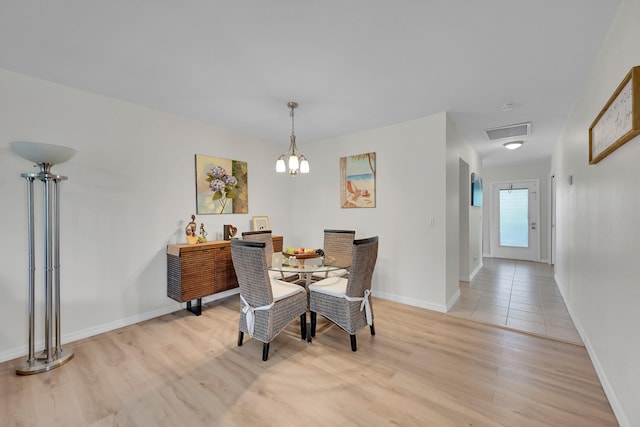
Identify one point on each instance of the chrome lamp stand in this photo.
(53, 355)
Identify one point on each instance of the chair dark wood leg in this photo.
(265, 351)
(313, 323)
(373, 329)
(240, 337)
(353, 342)
(303, 326)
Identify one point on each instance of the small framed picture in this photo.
(260, 223)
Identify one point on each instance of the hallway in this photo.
(520, 295)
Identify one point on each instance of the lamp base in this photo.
(38, 365)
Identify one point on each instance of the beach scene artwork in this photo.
(358, 181)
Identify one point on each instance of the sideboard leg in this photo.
(197, 310)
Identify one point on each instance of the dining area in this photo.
(275, 288)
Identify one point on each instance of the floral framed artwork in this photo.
(221, 186)
(260, 223)
(358, 181)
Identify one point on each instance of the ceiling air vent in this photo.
(511, 131)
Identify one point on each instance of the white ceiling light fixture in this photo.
(513, 145)
(297, 162)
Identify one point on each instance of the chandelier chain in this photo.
(292, 120)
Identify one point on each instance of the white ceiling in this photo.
(351, 64)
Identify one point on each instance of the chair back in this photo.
(338, 246)
(251, 269)
(263, 236)
(365, 255)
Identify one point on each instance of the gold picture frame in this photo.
(221, 186)
(618, 121)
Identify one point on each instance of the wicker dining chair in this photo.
(267, 305)
(338, 250)
(265, 236)
(347, 301)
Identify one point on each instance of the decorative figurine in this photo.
(191, 227)
(203, 234)
(190, 231)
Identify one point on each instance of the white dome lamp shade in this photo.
(44, 155)
(304, 164)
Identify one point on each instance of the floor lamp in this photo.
(45, 156)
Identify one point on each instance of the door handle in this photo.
(533, 225)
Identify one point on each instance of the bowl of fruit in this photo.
(300, 253)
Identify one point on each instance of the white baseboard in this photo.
(94, 330)
(618, 411)
(453, 300)
(411, 301)
(472, 275)
(476, 271)
(220, 295)
(23, 350)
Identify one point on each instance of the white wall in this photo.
(409, 188)
(597, 226)
(130, 193)
(538, 169)
(464, 197)
(417, 178)
(459, 149)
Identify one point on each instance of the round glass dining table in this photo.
(305, 273)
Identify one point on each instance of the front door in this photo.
(515, 220)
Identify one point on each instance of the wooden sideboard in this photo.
(196, 271)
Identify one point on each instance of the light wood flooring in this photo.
(422, 368)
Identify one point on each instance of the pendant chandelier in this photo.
(297, 162)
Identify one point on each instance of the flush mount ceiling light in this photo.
(297, 162)
(513, 145)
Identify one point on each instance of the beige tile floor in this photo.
(519, 295)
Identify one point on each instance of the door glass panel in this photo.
(514, 218)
